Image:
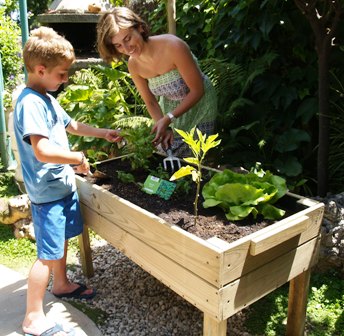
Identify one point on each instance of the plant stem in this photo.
(198, 184)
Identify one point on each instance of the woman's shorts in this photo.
(54, 223)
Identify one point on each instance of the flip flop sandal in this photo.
(53, 331)
(77, 293)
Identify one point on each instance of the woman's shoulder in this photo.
(169, 40)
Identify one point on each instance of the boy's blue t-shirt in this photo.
(36, 114)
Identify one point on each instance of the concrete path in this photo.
(13, 287)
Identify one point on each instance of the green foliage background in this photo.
(264, 53)
(260, 56)
(10, 50)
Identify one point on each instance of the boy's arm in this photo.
(45, 152)
(78, 128)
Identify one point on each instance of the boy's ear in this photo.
(40, 69)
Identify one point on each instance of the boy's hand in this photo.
(113, 135)
(83, 167)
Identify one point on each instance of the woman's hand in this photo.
(164, 135)
(167, 140)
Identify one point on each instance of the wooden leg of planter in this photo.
(86, 254)
(212, 327)
(297, 304)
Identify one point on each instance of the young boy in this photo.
(49, 169)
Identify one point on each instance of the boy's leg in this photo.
(35, 321)
(61, 284)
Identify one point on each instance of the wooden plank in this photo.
(187, 284)
(237, 260)
(256, 284)
(297, 304)
(86, 253)
(278, 234)
(217, 263)
(212, 327)
(196, 254)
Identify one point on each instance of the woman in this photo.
(160, 66)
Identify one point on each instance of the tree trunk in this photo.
(323, 17)
(171, 15)
(324, 122)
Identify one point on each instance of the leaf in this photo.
(241, 211)
(290, 140)
(210, 202)
(79, 92)
(288, 165)
(183, 171)
(271, 212)
(191, 160)
(238, 193)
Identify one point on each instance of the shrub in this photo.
(10, 49)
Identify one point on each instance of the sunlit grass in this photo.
(325, 309)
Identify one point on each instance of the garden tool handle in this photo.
(169, 151)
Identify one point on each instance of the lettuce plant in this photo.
(242, 194)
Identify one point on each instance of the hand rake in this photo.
(170, 162)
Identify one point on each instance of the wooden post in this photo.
(86, 253)
(212, 327)
(297, 304)
(171, 16)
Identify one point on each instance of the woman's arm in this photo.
(183, 61)
(185, 64)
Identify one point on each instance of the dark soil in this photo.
(179, 209)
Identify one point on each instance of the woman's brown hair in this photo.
(109, 25)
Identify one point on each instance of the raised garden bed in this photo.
(219, 276)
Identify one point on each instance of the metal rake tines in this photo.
(170, 160)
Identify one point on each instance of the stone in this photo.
(18, 208)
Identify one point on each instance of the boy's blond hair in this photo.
(46, 47)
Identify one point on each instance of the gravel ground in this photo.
(139, 305)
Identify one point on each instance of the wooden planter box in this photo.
(217, 277)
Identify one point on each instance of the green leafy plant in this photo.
(100, 96)
(125, 177)
(242, 194)
(137, 135)
(10, 50)
(199, 148)
(8, 187)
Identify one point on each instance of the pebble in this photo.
(137, 304)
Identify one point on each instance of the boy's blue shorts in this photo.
(55, 222)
